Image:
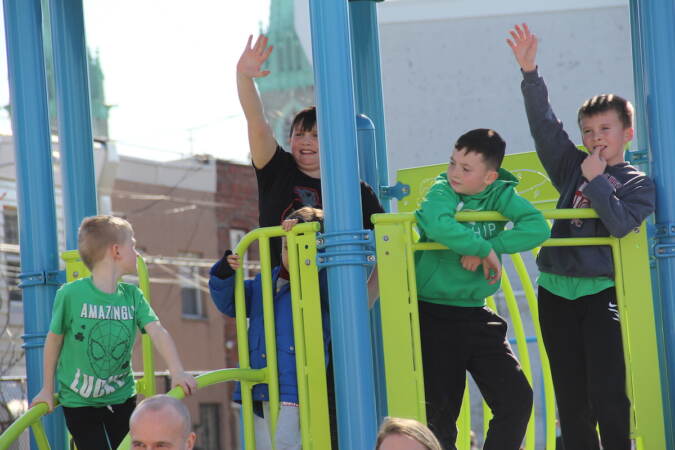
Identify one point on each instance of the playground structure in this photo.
(347, 80)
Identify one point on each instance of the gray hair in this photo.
(161, 402)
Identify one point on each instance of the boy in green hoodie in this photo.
(458, 331)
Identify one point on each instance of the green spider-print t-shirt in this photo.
(99, 330)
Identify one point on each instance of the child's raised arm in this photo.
(260, 137)
(167, 348)
(524, 46)
(51, 357)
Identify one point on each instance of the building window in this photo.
(208, 431)
(190, 289)
(12, 271)
(10, 225)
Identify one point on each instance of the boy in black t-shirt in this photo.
(286, 181)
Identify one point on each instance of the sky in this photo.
(169, 71)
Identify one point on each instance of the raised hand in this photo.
(251, 61)
(524, 46)
(492, 268)
(593, 165)
(470, 262)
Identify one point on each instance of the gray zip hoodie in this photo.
(623, 197)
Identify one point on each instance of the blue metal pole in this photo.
(37, 213)
(368, 81)
(350, 327)
(368, 173)
(372, 159)
(72, 100)
(657, 35)
(641, 91)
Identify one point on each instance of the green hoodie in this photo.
(440, 276)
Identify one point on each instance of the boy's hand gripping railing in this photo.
(395, 250)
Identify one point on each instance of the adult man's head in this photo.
(161, 422)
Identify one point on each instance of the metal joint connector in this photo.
(664, 230)
(637, 156)
(397, 191)
(346, 248)
(53, 277)
(664, 250)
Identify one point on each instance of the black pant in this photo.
(332, 409)
(456, 339)
(99, 428)
(583, 342)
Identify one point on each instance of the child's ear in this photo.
(628, 134)
(491, 176)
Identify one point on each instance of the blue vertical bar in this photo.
(72, 100)
(638, 76)
(37, 213)
(350, 327)
(368, 80)
(641, 90)
(657, 36)
(373, 159)
(368, 173)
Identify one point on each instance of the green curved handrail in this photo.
(31, 418)
(254, 376)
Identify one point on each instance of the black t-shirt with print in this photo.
(283, 188)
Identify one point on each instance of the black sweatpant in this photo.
(457, 339)
(99, 428)
(583, 342)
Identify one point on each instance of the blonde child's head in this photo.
(98, 233)
(416, 435)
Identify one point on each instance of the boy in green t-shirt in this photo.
(458, 331)
(92, 334)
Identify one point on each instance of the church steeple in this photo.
(288, 63)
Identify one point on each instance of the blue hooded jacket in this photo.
(222, 293)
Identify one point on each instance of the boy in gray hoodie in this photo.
(578, 313)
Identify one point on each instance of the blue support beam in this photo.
(368, 81)
(37, 212)
(656, 42)
(349, 318)
(372, 145)
(72, 100)
(641, 92)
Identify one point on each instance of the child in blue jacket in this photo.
(221, 285)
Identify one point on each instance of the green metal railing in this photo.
(396, 244)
